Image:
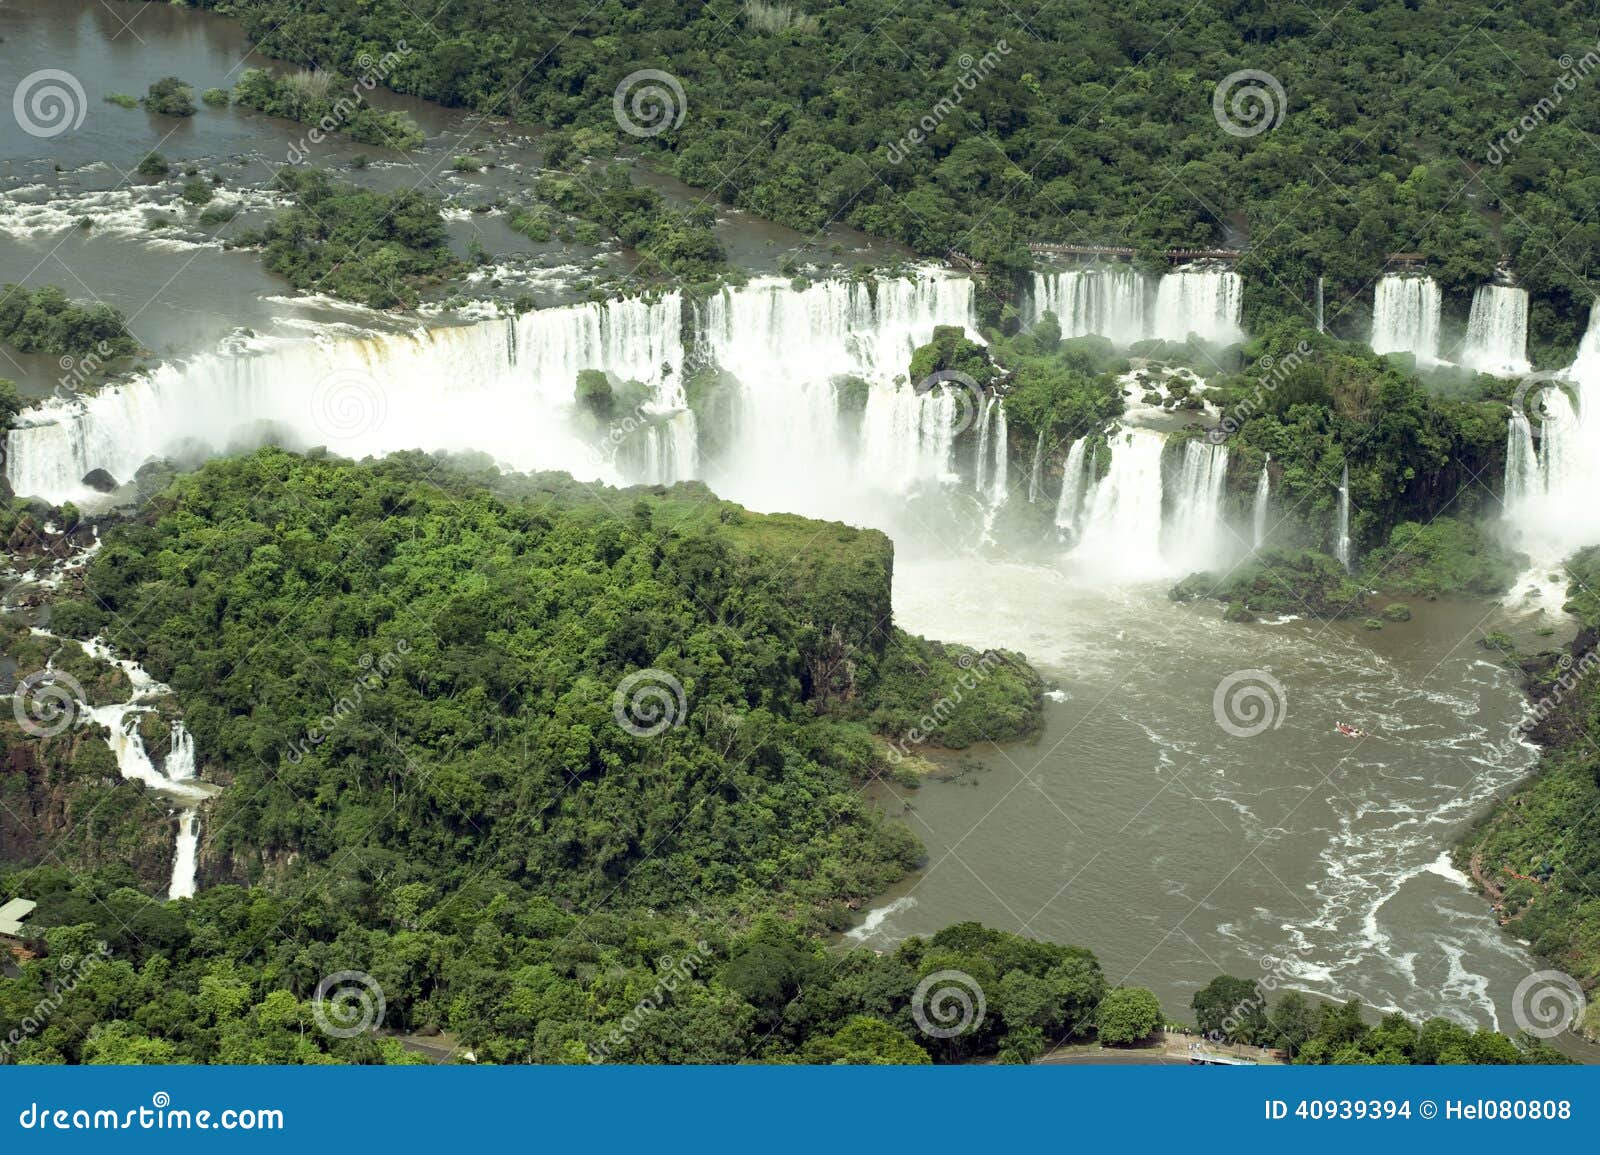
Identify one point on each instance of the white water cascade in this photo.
(174, 779)
(1258, 514)
(1497, 331)
(505, 387)
(789, 450)
(1121, 305)
(1075, 476)
(1033, 474)
(1205, 302)
(1551, 479)
(1111, 302)
(1341, 541)
(1000, 456)
(1193, 530)
(1122, 522)
(1405, 317)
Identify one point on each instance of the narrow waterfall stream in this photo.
(174, 779)
(1258, 513)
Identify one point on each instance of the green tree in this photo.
(1128, 1015)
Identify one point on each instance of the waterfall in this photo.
(1497, 331)
(1122, 522)
(1205, 302)
(1074, 484)
(981, 472)
(1033, 474)
(1320, 327)
(1341, 545)
(179, 766)
(1551, 479)
(175, 779)
(1104, 302)
(183, 859)
(1193, 529)
(504, 387)
(1116, 303)
(787, 348)
(1405, 317)
(1000, 481)
(1259, 513)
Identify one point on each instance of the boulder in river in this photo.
(100, 481)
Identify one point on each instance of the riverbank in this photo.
(1535, 857)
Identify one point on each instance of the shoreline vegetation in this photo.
(1534, 856)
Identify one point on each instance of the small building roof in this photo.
(12, 914)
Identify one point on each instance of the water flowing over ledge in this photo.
(1120, 304)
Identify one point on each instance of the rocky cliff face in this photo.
(63, 804)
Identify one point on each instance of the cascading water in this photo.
(1341, 540)
(1258, 515)
(1000, 477)
(1206, 302)
(1119, 304)
(1192, 537)
(1497, 331)
(788, 348)
(1405, 317)
(1122, 523)
(504, 387)
(1551, 480)
(980, 472)
(1320, 310)
(1104, 302)
(185, 855)
(174, 779)
(1033, 474)
(1075, 477)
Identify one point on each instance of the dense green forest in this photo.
(377, 248)
(1391, 133)
(44, 320)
